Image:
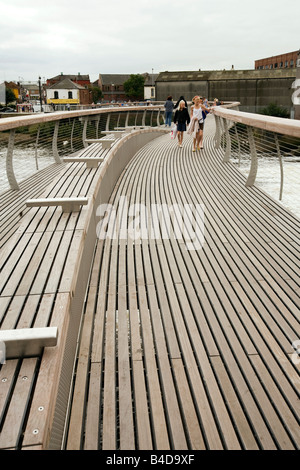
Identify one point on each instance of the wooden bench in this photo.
(68, 204)
(91, 162)
(105, 141)
(27, 342)
(116, 133)
(12, 203)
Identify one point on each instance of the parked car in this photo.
(7, 110)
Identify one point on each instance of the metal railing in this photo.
(244, 135)
(36, 141)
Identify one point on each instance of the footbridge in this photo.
(149, 295)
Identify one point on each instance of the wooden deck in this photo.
(179, 348)
(191, 349)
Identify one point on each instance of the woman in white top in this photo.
(199, 111)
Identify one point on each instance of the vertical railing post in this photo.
(281, 166)
(84, 133)
(118, 120)
(36, 147)
(253, 168)
(217, 139)
(228, 142)
(127, 118)
(54, 143)
(72, 133)
(9, 161)
(107, 122)
(158, 116)
(151, 117)
(144, 118)
(97, 126)
(238, 142)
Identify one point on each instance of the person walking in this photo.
(169, 106)
(198, 115)
(180, 99)
(181, 119)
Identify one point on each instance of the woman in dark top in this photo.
(180, 99)
(181, 119)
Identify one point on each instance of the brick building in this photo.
(82, 80)
(287, 60)
(112, 86)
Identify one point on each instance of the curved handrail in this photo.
(268, 123)
(274, 125)
(15, 122)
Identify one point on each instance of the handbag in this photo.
(173, 131)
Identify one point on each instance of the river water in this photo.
(268, 175)
(268, 179)
(24, 163)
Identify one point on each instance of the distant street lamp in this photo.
(40, 89)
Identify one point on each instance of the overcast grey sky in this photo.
(39, 38)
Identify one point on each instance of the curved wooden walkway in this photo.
(191, 348)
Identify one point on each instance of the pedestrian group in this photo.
(192, 123)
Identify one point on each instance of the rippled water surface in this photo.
(24, 163)
(268, 179)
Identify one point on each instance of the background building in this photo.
(287, 60)
(112, 86)
(68, 92)
(83, 80)
(149, 86)
(255, 89)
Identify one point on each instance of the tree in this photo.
(10, 96)
(134, 87)
(96, 93)
(275, 110)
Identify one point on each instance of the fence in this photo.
(64, 133)
(245, 134)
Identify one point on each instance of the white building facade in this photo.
(64, 92)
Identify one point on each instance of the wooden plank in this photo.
(22, 265)
(109, 441)
(7, 379)
(93, 425)
(76, 425)
(160, 434)
(45, 392)
(29, 310)
(28, 274)
(124, 376)
(287, 435)
(143, 431)
(9, 258)
(13, 313)
(246, 434)
(192, 423)
(58, 264)
(13, 425)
